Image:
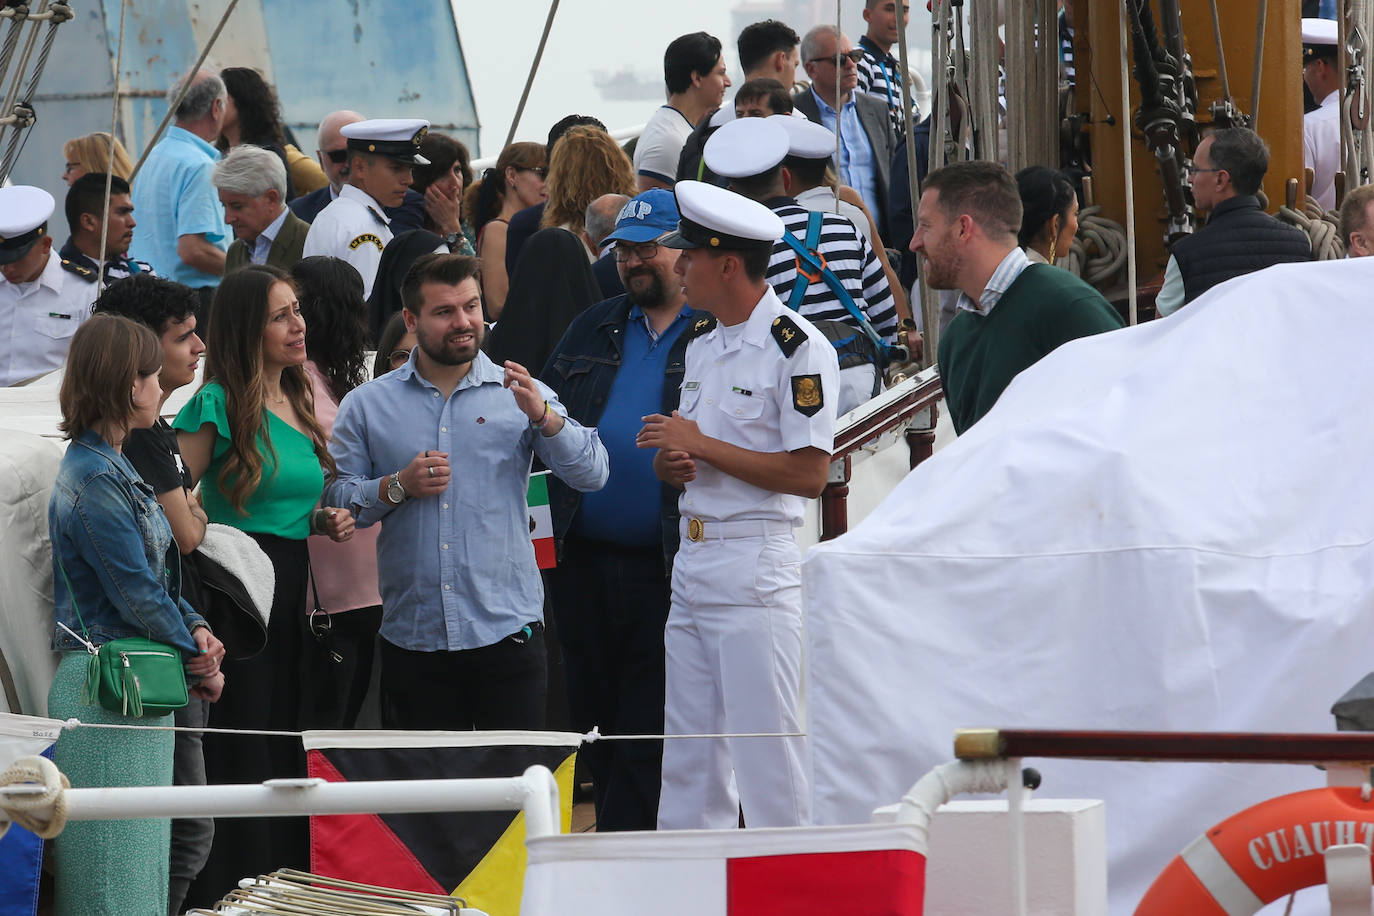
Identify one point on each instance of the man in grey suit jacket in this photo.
(866, 139)
(252, 186)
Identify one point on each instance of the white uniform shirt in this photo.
(1321, 148)
(352, 227)
(39, 318)
(741, 388)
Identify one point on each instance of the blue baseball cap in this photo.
(645, 218)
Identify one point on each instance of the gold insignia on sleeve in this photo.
(807, 396)
(364, 239)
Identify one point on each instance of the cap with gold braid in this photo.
(24, 213)
(713, 217)
(396, 138)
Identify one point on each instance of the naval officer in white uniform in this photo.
(354, 226)
(1321, 129)
(748, 446)
(43, 296)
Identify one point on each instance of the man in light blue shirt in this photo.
(181, 229)
(864, 160)
(439, 452)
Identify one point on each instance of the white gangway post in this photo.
(535, 792)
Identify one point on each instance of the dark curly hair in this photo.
(150, 300)
(259, 113)
(442, 151)
(331, 295)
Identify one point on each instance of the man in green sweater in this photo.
(1010, 312)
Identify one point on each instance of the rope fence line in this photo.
(590, 737)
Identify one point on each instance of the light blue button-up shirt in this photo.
(262, 245)
(456, 570)
(174, 197)
(856, 153)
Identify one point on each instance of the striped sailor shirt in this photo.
(878, 75)
(848, 254)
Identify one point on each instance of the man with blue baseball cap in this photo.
(619, 361)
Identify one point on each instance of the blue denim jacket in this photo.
(582, 368)
(116, 547)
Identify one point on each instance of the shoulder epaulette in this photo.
(788, 334)
(72, 267)
(381, 220)
(702, 325)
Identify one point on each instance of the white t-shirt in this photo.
(660, 144)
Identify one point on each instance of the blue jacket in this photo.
(582, 369)
(114, 543)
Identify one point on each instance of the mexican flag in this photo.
(541, 522)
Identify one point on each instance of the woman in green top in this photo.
(249, 437)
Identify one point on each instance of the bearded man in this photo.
(439, 452)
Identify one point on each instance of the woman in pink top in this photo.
(349, 612)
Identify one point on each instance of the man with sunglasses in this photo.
(1239, 237)
(867, 141)
(354, 227)
(332, 153)
(619, 361)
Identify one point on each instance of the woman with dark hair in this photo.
(442, 182)
(394, 346)
(249, 436)
(344, 573)
(553, 284)
(397, 257)
(116, 573)
(252, 115)
(1049, 213)
(515, 183)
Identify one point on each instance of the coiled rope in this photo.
(1322, 228)
(1099, 249)
(45, 814)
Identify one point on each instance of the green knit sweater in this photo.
(1044, 307)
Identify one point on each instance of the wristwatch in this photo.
(394, 491)
(452, 239)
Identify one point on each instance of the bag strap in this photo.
(819, 270)
(71, 593)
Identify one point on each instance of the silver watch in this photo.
(394, 491)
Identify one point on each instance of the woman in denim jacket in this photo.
(116, 574)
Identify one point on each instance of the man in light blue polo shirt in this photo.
(181, 229)
(862, 121)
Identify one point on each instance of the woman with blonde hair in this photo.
(516, 182)
(250, 437)
(586, 164)
(92, 153)
(116, 574)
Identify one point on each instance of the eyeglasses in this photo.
(1193, 169)
(541, 172)
(854, 56)
(71, 167)
(645, 252)
(398, 358)
(337, 156)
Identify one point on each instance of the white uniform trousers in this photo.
(733, 645)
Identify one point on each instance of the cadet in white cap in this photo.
(810, 149)
(1321, 129)
(748, 445)
(43, 297)
(839, 283)
(354, 227)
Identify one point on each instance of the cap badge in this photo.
(372, 147)
(419, 135)
(715, 242)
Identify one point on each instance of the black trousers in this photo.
(263, 692)
(499, 686)
(610, 604)
(338, 664)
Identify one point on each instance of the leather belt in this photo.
(696, 529)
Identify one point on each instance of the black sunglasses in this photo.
(337, 156)
(855, 56)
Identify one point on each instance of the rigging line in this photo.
(109, 162)
(534, 68)
(1221, 51)
(1259, 64)
(589, 737)
(185, 88)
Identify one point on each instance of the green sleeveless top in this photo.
(292, 479)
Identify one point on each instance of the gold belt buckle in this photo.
(694, 530)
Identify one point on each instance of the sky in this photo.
(499, 41)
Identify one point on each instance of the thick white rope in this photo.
(44, 815)
(1322, 228)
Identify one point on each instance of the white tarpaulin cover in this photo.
(1166, 527)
